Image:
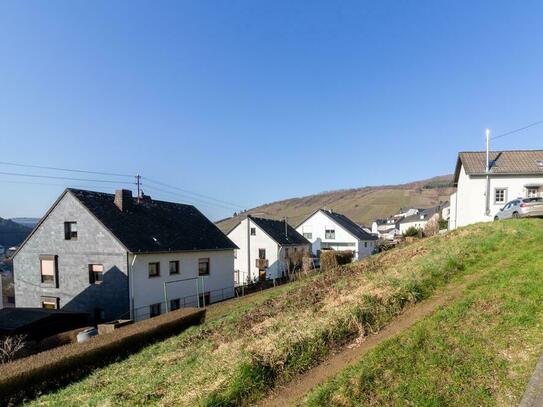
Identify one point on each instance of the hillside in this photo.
(362, 205)
(11, 233)
(487, 338)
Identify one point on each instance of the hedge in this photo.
(24, 378)
(333, 258)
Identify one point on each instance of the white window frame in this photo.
(504, 200)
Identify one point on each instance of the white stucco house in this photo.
(119, 256)
(420, 219)
(387, 229)
(326, 230)
(480, 193)
(265, 249)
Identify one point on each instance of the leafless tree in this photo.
(10, 347)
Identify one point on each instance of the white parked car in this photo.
(521, 208)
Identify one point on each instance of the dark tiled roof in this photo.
(155, 226)
(349, 225)
(276, 230)
(527, 162)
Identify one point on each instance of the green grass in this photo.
(248, 346)
(478, 351)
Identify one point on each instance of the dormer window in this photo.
(70, 230)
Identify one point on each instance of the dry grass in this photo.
(247, 347)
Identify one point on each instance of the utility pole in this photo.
(138, 185)
(487, 133)
(487, 197)
(286, 227)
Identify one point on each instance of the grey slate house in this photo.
(113, 255)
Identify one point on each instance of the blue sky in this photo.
(254, 101)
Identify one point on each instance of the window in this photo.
(154, 310)
(50, 302)
(308, 235)
(253, 231)
(154, 269)
(261, 253)
(500, 195)
(365, 244)
(329, 234)
(235, 253)
(174, 267)
(203, 267)
(175, 304)
(96, 273)
(49, 270)
(204, 299)
(533, 192)
(70, 230)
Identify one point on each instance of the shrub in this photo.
(443, 224)
(412, 232)
(25, 377)
(333, 258)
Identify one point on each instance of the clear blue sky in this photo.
(256, 101)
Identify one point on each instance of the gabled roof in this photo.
(425, 213)
(345, 223)
(276, 230)
(514, 162)
(155, 226)
(150, 226)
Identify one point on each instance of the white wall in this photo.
(147, 290)
(469, 203)
(261, 240)
(319, 222)
(419, 224)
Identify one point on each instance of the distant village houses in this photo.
(329, 230)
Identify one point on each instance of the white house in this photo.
(326, 229)
(386, 229)
(419, 219)
(118, 256)
(265, 248)
(480, 193)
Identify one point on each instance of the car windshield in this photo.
(529, 200)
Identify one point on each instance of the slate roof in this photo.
(519, 162)
(155, 226)
(276, 230)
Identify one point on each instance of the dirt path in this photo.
(293, 392)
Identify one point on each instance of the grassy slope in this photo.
(247, 346)
(363, 205)
(480, 350)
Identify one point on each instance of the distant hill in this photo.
(12, 233)
(362, 205)
(28, 222)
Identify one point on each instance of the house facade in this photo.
(328, 230)
(420, 219)
(266, 249)
(118, 256)
(480, 194)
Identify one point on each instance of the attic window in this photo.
(253, 231)
(70, 230)
(539, 163)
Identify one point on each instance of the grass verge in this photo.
(247, 347)
(480, 350)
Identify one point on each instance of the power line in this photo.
(65, 169)
(517, 130)
(211, 204)
(48, 184)
(63, 178)
(194, 193)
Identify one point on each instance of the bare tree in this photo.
(10, 347)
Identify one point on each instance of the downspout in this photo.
(487, 203)
(131, 280)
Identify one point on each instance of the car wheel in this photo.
(516, 215)
(496, 218)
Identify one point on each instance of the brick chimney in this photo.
(123, 199)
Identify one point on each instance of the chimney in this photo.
(123, 199)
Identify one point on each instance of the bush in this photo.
(443, 224)
(333, 258)
(25, 377)
(412, 232)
